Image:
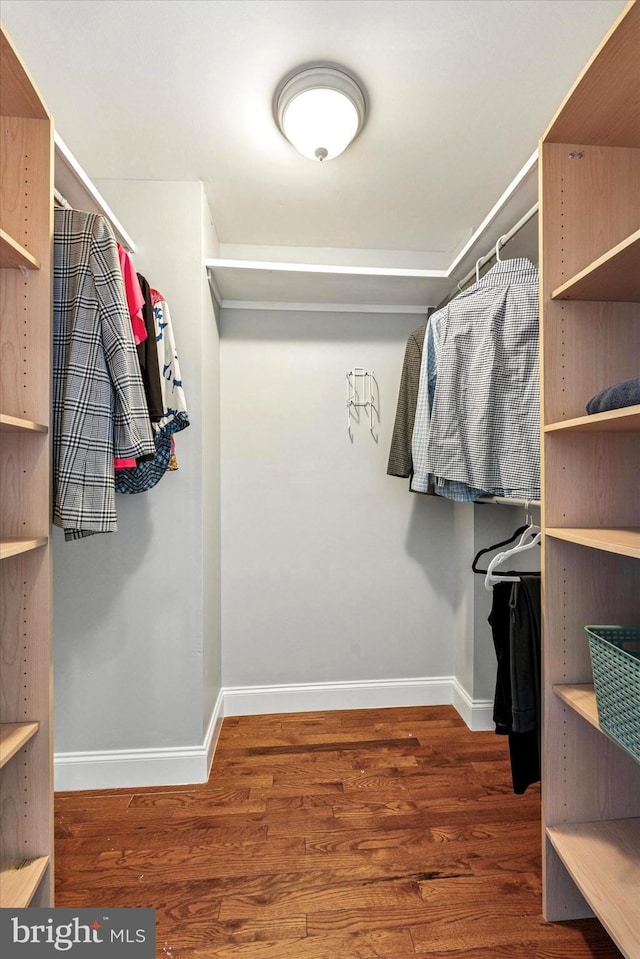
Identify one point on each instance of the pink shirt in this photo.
(135, 302)
(135, 297)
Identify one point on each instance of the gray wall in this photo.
(137, 612)
(331, 570)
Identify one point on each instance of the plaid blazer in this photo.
(400, 458)
(99, 406)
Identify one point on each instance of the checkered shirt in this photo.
(482, 427)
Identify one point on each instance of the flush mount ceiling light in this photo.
(320, 109)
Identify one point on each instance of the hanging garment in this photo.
(174, 403)
(148, 356)
(515, 629)
(135, 302)
(99, 406)
(400, 458)
(134, 295)
(524, 638)
(483, 430)
(423, 481)
(145, 476)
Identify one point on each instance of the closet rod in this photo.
(471, 275)
(60, 200)
(508, 501)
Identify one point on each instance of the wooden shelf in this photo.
(13, 546)
(15, 424)
(20, 880)
(624, 541)
(603, 858)
(582, 698)
(13, 736)
(18, 95)
(613, 277)
(13, 255)
(602, 107)
(625, 420)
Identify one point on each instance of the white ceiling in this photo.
(459, 90)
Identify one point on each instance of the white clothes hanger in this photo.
(499, 243)
(530, 538)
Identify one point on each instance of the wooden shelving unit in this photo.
(590, 339)
(26, 788)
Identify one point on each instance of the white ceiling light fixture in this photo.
(320, 109)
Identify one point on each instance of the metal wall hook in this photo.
(363, 397)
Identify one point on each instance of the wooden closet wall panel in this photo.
(588, 759)
(603, 106)
(25, 344)
(25, 597)
(25, 694)
(24, 472)
(25, 153)
(605, 494)
(25, 299)
(592, 205)
(573, 371)
(18, 96)
(589, 587)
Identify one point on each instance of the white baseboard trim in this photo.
(366, 694)
(477, 714)
(181, 765)
(135, 768)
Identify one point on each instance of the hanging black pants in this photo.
(515, 627)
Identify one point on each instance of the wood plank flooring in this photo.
(389, 833)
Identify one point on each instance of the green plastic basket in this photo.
(615, 660)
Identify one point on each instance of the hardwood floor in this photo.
(352, 834)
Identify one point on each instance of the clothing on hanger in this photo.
(134, 295)
(135, 302)
(480, 427)
(400, 458)
(424, 481)
(99, 406)
(145, 475)
(515, 622)
(148, 356)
